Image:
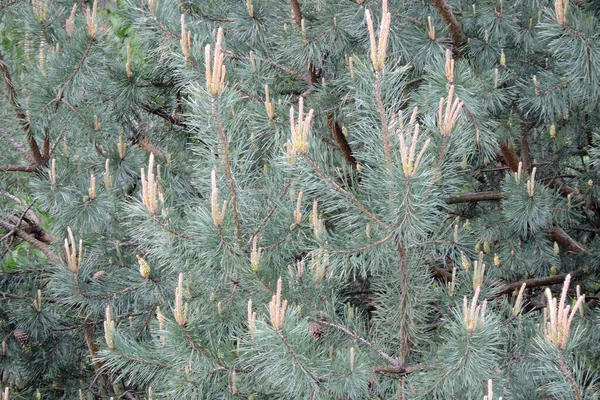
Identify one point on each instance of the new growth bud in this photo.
(517, 307)
(185, 40)
(298, 211)
(37, 303)
(109, 329)
(92, 188)
(215, 79)
(490, 392)
(560, 9)
(430, 28)
(300, 128)
(122, 147)
(277, 308)
(410, 161)
(181, 309)
(218, 216)
(466, 264)
(250, 8)
(144, 267)
(531, 183)
(474, 314)
(52, 172)
(452, 284)
(449, 67)
(150, 187)
(128, 63)
(40, 9)
(73, 259)
(447, 118)
(557, 329)
(255, 255)
(108, 179)
(478, 274)
(251, 319)
(269, 105)
(317, 222)
(378, 50)
(91, 19)
(70, 23)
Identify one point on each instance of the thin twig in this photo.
(344, 192)
(228, 169)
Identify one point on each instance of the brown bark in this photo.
(449, 19)
(296, 12)
(150, 147)
(32, 240)
(341, 141)
(510, 156)
(525, 147)
(561, 237)
(536, 282)
(21, 117)
(476, 197)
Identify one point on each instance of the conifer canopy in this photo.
(302, 199)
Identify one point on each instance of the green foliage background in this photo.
(375, 299)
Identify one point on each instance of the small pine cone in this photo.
(99, 275)
(21, 336)
(317, 331)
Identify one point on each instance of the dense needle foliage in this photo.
(303, 199)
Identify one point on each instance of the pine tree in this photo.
(315, 199)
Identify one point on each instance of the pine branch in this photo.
(588, 49)
(383, 118)
(537, 282)
(274, 64)
(21, 117)
(398, 370)
(476, 197)
(73, 73)
(557, 233)
(344, 192)
(90, 124)
(201, 349)
(10, 3)
(93, 351)
(404, 317)
(159, 112)
(172, 231)
(18, 146)
(361, 340)
(567, 374)
(35, 243)
(365, 247)
(18, 168)
(305, 368)
(267, 217)
(102, 297)
(228, 169)
(562, 238)
(313, 76)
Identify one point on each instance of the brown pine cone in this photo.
(99, 275)
(21, 336)
(317, 330)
